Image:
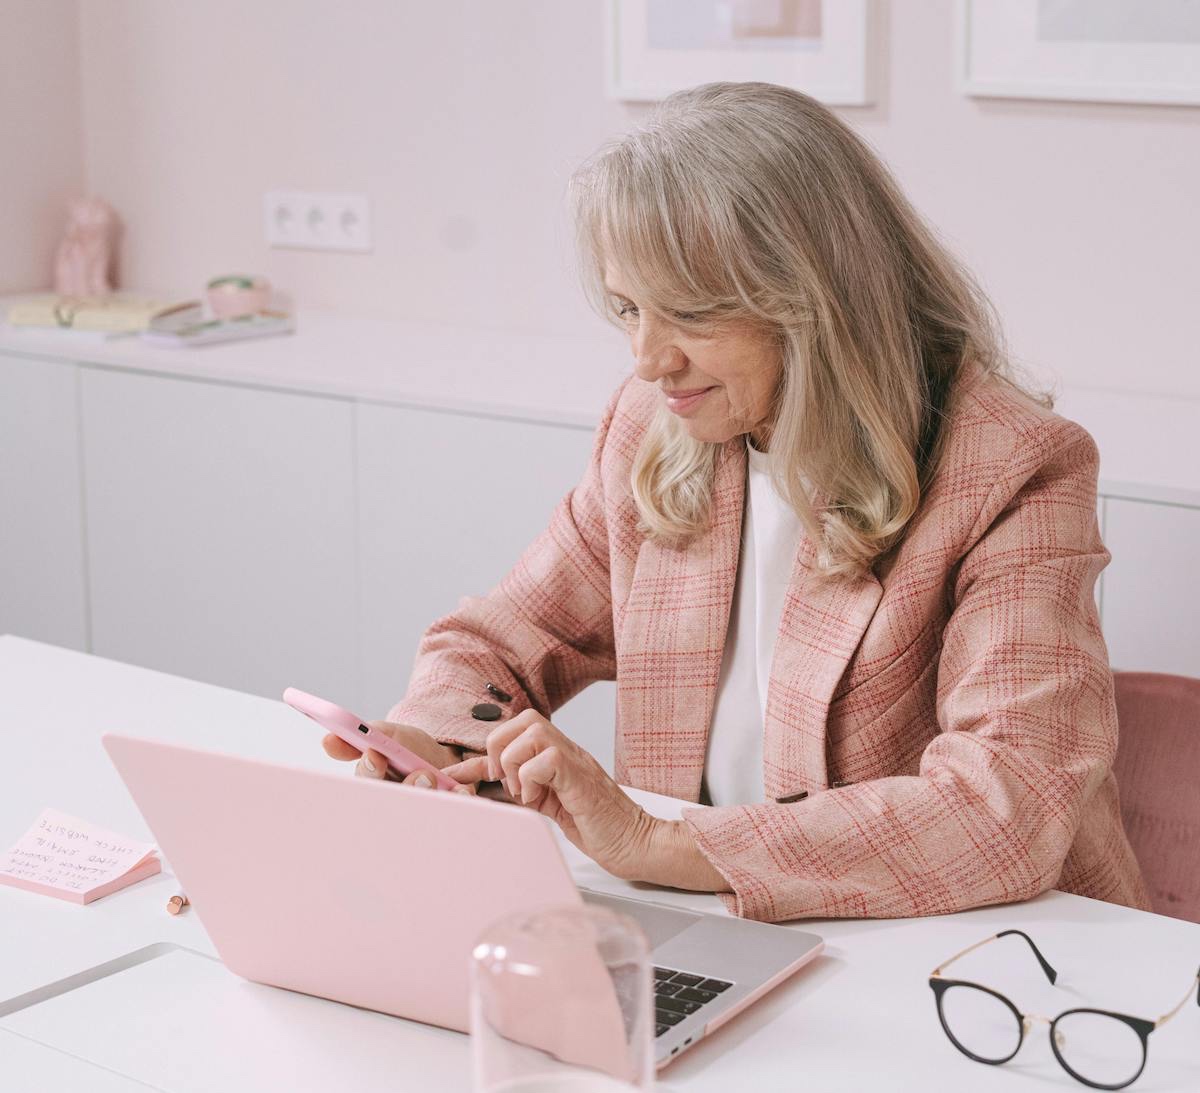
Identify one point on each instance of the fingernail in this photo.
(462, 789)
(424, 781)
(368, 764)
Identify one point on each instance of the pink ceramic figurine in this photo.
(84, 260)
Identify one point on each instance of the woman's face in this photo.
(736, 369)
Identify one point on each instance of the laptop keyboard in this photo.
(679, 994)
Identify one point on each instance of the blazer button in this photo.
(496, 693)
(486, 711)
(792, 797)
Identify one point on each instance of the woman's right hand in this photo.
(373, 765)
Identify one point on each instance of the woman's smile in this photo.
(684, 402)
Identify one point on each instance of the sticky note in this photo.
(64, 856)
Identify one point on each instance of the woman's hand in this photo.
(373, 765)
(544, 769)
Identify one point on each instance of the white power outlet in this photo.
(310, 221)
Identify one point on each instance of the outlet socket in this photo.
(313, 221)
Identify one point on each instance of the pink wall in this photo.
(41, 143)
(461, 121)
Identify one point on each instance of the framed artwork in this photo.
(1096, 50)
(655, 47)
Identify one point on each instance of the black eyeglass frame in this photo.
(1141, 1026)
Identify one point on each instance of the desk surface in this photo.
(861, 1016)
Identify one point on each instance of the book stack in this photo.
(118, 315)
(173, 323)
(184, 330)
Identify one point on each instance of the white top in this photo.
(771, 532)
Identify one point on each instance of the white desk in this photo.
(862, 1016)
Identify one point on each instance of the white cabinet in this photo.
(1152, 586)
(43, 591)
(221, 531)
(447, 504)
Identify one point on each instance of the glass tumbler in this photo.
(561, 1003)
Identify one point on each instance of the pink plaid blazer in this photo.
(949, 722)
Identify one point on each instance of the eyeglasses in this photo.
(1100, 1049)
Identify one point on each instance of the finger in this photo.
(534, 739)
(470, 770)
(539, 775)
(540, 735)
(420, 779)
(337, 748)
(371, 765)
(503, 735)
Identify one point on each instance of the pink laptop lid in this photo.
(347, 888)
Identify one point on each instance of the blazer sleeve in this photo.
(542, 635)
(1027, 724)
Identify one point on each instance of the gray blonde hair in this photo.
(752, 202)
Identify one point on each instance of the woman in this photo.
(840, 566)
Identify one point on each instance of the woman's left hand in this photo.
(544, 769)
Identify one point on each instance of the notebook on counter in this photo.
(179, 331)
(119, 314)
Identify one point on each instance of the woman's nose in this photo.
(653, 368)
(656, 355)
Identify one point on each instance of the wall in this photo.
(462, 119)
(40, 135)
(1081, 219)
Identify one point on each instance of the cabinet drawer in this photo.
(221, 532)
(43, 589)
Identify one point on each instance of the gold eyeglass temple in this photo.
(937, 972)
(1193, 986)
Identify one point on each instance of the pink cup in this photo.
(232, 296)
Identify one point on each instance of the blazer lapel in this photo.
(673, 632)
(672, 640)
(821, 626)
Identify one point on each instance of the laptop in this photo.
(358, 891)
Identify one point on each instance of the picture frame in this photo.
(1146, 51)
(656, 47)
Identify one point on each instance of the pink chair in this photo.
(1158, 776)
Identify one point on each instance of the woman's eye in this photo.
(627, 311)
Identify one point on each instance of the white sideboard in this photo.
(1150, 518)
(297, 510)
(43, 583)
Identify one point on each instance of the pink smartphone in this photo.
(344, 725)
